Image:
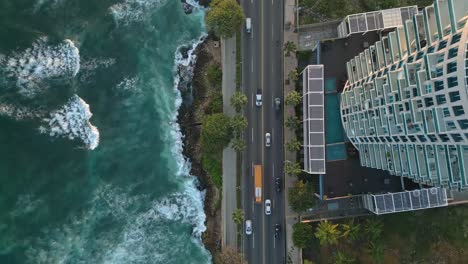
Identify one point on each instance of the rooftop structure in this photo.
(405, 105)
(376, 20)
(314, 124)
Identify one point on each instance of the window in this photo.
(446, 112)
(444, 138)
(451, 67)
(455, 38)
(431, 49)
(463, 123)
(410, 59)
(452, 82)
(451, 125)
(432, 138)
(456, 137)
(440, 98)
(454, 96)
(428, 102)
(395, 138)
(442, 44)
(412, 138)
(422, 138)
(404, 139)
(458, 110)
(452, 52)
(419, 56)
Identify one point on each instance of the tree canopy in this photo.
(301, 196)
(293, 98)
(216, 133)
(327, 233)
(292, 168)
(225, 17)
(238, 100)
(303, 234)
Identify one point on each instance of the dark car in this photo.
(278, 184)
(277, 230)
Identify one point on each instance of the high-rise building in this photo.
(405, 104)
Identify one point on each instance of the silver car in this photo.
(268, 207)
(258, 99)
(248, 227)
(267, 139)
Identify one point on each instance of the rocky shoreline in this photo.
(195, 100)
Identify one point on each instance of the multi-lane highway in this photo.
(262, 70)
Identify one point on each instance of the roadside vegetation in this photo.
(224, 17)
(314, 11)
(427, 236)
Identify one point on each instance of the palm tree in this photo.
(238, 216)
(238, 124)
(293, 145)
(327, 233)
(238, 100)
(238, 144)
(351, 230)
(373, 228)
(376, 249)
(292, 168)
(343, 258)
(292, 122)
(289, 47)
(293, 98)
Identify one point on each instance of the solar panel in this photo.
(313, 114)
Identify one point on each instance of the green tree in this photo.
(216, 133)
(343, 258)
(293, 145)
(238, 100)
(238, 216)
(303, 235)
(293, 98)
(301, 196)
(293, 75)
(238, 144)
(224, 17)
(292, 122)
(215, 74)
(292, 168)
(373, 228)
(351, 230)
(238, 124)
(289, 47)
(376, 249)
(327, 233)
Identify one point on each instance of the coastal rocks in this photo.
(188, 8)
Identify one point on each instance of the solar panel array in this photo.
(376, 20)
(406, 201)
(314, 124)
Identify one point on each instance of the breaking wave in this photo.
(72, 122)
(29, 69)
(133, 10)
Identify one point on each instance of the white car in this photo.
(267, 139)
(248, 227)
(268, 207)
(258, 99)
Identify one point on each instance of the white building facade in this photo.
(405, 105)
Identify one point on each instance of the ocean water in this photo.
(91, 164)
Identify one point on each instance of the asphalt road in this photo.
(262, 70)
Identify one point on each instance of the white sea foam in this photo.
(20, 112)
(128, 84)
(133, 10)
(72, 121)
(30, 67)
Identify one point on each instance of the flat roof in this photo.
(314, 121)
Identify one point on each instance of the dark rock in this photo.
(188, 8)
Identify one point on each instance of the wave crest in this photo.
(133, 10)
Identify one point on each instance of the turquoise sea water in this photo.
(108, 188)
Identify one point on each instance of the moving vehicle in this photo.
(248, 25)
(268, 207)
(277, 104)
(248, 227)
(258, 98)
(277, 230)
(258, 183)
(267, 139)
(278, 184)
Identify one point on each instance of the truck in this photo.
(258, 183)
(248, 25)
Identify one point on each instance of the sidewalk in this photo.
(290, 63)
(229, 228)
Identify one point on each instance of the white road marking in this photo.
(272, 101)
(251, 65)
(274, 242)
(273, 168)
(251, 101)
(251, 33)
(271, 2)
(253, 206)
(253, 239)
(252, 139)
(272, 31)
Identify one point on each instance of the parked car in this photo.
(248, 227)
(268, 207)
(267, 139)
(278, 184)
